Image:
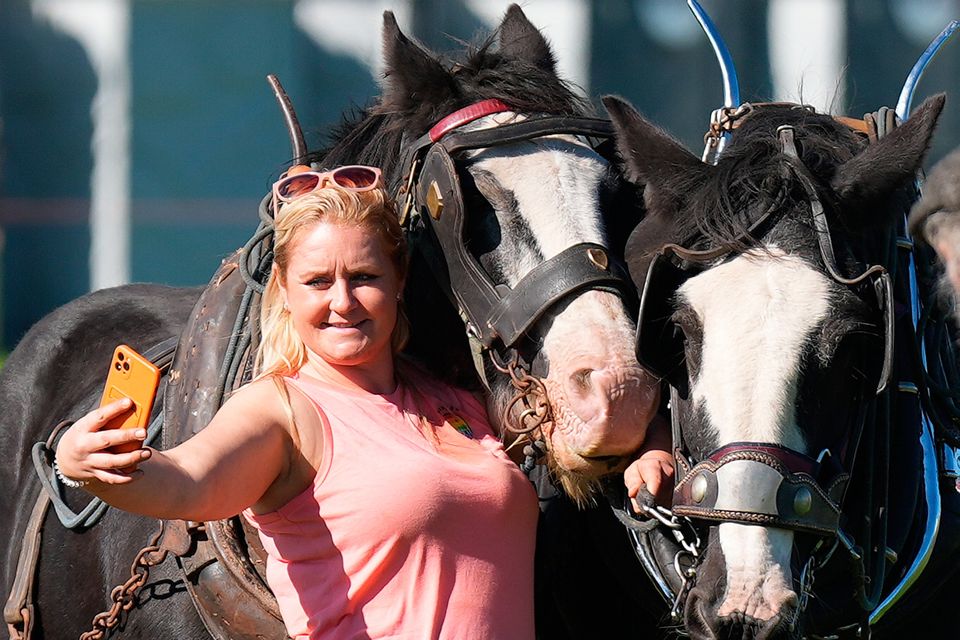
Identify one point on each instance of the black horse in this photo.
(778, 304)
(527, 189)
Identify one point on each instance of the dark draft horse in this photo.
(519, 160)
(812, 498)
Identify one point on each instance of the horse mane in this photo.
(375, 135)
(721, 204)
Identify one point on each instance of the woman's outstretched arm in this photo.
(217, 473)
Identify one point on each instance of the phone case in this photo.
(131, 376)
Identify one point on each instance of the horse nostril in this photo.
(581, 379)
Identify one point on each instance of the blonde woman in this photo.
(386, 504)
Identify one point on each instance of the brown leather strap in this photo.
(857, 124)
(18, 610)
(750, 484)
(730, 118)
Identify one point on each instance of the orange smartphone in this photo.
(131, 376)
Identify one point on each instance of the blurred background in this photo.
(137, 136)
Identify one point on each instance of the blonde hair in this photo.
(281, 351)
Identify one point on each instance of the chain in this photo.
(124, 596)
(684, 561)
(723, 119)
(529, 408)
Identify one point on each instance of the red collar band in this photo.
(467, 114)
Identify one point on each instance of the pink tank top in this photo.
(399, 538)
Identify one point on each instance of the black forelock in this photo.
(750, 177)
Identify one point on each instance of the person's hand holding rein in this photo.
(653, 467)
(84, 452)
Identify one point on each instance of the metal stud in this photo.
(802, 501)
(598, 257)
(434, 200)
(698, 489)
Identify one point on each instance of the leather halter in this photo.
(496, 315)
(777, 486)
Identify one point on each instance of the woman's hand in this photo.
(83, 453)
(653, 470)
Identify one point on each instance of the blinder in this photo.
(660, 341)
(499, 316)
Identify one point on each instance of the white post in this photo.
(323, 21)
(102, 27)
(808, 63)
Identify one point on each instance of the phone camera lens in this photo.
(120, 356)
(116, 365)
(126, 366)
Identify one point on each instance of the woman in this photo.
(387, 506)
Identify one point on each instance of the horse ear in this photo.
(665, 169)
(863, 183)
(651, 157)
(521, 40)
(411, 72)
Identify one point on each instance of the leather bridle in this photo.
(787, 488)
(497, 316)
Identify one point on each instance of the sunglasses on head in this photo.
(300, 180)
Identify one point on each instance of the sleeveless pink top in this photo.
(398, 537)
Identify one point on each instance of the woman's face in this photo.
(341, 288)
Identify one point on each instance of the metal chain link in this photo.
(689, 540)
(124, 596)
(530, 399)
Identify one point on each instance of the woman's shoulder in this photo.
(261, 396)
(259, 389)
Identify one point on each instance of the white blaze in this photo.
(757, 312)
(556, 186)
(758, 570)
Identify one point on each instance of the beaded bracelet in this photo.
(68, 482)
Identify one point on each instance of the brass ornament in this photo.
(434, 200)
(698, 489)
